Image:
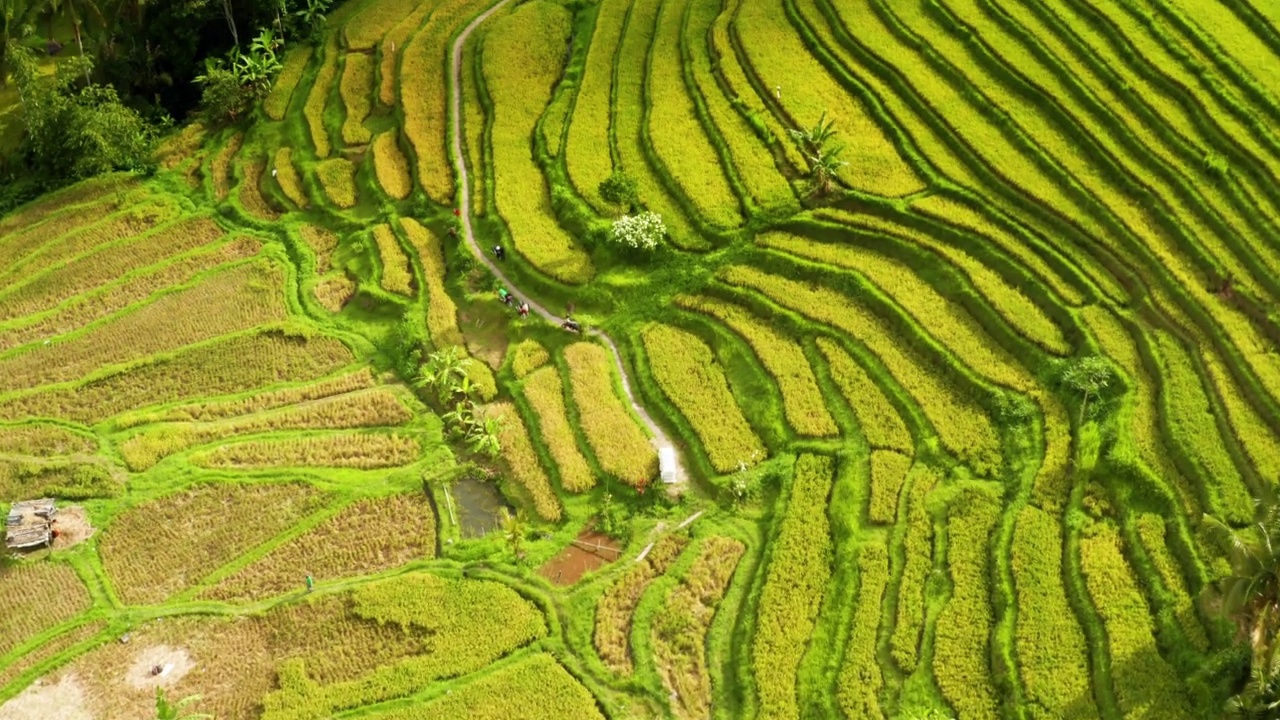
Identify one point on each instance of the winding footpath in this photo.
(658, 436)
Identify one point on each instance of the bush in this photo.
(643, 231)
(620, 189)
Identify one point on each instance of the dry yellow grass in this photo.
(391, 167)
(165, 546)
(357, 96)
(397, 276)
(442, 313)
(251, 197)
(222, 166)
(617, 439)
(365, 537)
(334, 292)
(257, 402)
(363, 451)
(338, 178)
(18, 244)
(545, 394)
(322, 242)
(526, 356)
(35, 598)
(216, 368)
(522, 461)
(289, 179)
(49, 650)
(44, 439)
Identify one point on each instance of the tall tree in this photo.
(1251, 594)
(16, 18)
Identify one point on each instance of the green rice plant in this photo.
(545, 394)
(214, 368)
(1235, 39)
(1052, 654)
(681, 625)
(322, 242)
(366, 28)
(904, 645)
(442, 313)
(860, 680)
(313, 110)
(1190, 416)
(379, 407)
(553, 122)
(1144, 682)
(237, 299)
(357, 97)
(782, 357)
(289, 179)
(338, 178)
(220, 168)
(526, 356)
(755, 164)
(523, 56)
(475, 121)
(673, 128)
(1151, 530)
(522, 462)
(963, 426)
(685, 369)
(880, 423)
(37, 597)
(44, 440)
(962, 647)
(805, 90)
(467, 624)
(251, 197)
(1260, 442)
(618, 603)
(519, 691)
(85, 308)
(277, 103)
(45, 290)
(391, 167)
(365, 537)
(620, 444)
(423, 99)
(888, 473)
(393, 48)
(396, 276)
(795, 582)
(149, 561)
(212, 410)
(363, 451)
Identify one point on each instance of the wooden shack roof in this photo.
(29, 524)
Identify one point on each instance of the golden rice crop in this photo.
(918, 543)
(589, 126)
(49, 650)
(209, 410)
(442, 313)
(619, 443)
(215, 368)
(391, 167)
(888, 473)
(222, 166)
(319, 96)
(334, 292)
(360, 450)
(692, 380)
(367, 27)
(482, 379)
(107, 189)
(545, 394)
(106, 265)
(963, 426)
(322, 242)
(357, 96)
(338, 178)
(397, 277)
(44, 439)
(180, 146)
(526, 356)
(1152, 529)
(289, 179)
(681, 625)
(366, 408)
(18, 244)
(251, 197)
(392, 47)
(522, 461)
(277, 103)
(523, 56)
(37, 597)
(238, 299)
(76, 478)
(365, 537)
(880, 423)
(782, 357)
(618, 604)
(86, 308)
(474, 121)
(860, 680)
(162, 547)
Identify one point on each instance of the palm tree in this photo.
(1260, 699)
(1090, 376)
(166, 710)
(1251, 594)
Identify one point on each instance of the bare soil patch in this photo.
(172, 665)
(64, 700)
(589, 551)
(73, 527)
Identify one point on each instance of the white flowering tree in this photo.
(642, 230)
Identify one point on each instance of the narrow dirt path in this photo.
(659, 438)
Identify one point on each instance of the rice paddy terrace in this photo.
(908, 504)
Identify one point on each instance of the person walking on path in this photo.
(499, 253)
(524, 309)
(311, 583)
(504, 296)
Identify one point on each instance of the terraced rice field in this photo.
(899, 501)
